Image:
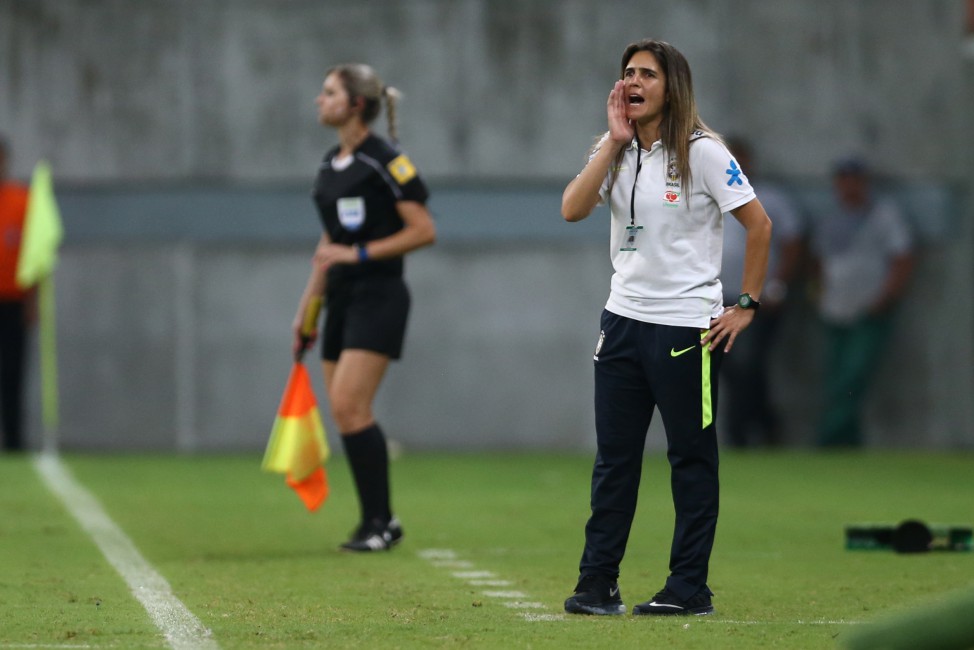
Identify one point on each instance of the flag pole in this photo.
(48, 362)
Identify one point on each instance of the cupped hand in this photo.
(621, 129)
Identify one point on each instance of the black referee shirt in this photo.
(357, 203)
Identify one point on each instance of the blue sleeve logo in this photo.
(735, 174)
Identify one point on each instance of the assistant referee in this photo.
(372, 204)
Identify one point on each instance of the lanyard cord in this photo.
(632, 197)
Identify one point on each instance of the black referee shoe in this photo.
(666, 603)
(375, 536)
(596, 595)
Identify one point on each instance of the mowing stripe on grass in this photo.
(182, 630)
(447, 558)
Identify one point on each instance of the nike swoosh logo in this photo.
(656, 604)
(674, 353)
(613, 592)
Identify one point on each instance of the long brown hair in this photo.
(680, 117)
(360, 80)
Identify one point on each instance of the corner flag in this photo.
(42, 230)
(35, 266)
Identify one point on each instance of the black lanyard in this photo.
(632, 197)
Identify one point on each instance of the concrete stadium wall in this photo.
(173, 321)
(187, 346)
(184, 343)
(113, 90)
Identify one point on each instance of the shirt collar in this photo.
(635, 144)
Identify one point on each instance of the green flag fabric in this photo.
(42, 230)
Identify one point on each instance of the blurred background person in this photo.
(372, 204)
(862, 253)
(750, 418)
(17, 306)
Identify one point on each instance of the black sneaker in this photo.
(394, 531)
(666, 603)
(597, 595)
(375, 535)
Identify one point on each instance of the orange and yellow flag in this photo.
(297, 446)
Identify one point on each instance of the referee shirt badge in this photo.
(401, 169)
(351, 212)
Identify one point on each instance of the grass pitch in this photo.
(491, 551)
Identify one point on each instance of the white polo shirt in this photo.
(672, 276)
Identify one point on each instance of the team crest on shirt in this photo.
(401, 169)
(672, 172)
(671, 198)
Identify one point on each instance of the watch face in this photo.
(744, 301)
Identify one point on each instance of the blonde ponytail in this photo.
(392, 96)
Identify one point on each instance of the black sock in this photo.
(369, 459)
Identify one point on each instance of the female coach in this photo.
(372, 206)
(667, 178)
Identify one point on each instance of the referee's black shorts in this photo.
(367, 313)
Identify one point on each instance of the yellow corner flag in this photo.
(297, 446)
(35, 267)
(42, 230)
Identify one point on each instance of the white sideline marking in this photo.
(518, 604)
(543, 617)
(46, 645)
(798, 622)
(473, 574)
(453, 564)
(505, 594)
(447, 558)
(182, 630)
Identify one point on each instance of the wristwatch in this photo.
(745, 301)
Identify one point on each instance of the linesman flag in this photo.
(42, 230)
(297, 446)
(35, 267)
